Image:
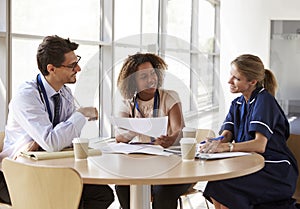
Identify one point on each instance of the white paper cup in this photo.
(188, 148)
(188, 132)
(80, 146)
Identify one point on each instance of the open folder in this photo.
(42, 155)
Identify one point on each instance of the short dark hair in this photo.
(52, 51)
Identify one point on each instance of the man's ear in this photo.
(50, 68)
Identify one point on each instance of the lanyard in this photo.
(42, 90)
(155, 105)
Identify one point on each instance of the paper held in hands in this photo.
(153, 127)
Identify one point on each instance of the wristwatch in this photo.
(230, 145)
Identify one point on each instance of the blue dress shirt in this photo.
(28, 120)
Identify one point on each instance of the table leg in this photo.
(140, 196)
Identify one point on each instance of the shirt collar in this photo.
(254, 94)
(49, 90)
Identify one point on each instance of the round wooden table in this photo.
(141, 171)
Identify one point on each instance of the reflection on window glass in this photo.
(127, 21)
(2, 59)
(136, 24)
(178, 78)
(76, 18)
(150, 16)
(86, 88)
(121, 54)
(2, 16)
(24, 66)
(206, 26)
(88, 78)
(3, 83)
(179, 19)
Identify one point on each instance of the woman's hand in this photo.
(210, 145)
(164, 141)
(124, 136)
(121, 138)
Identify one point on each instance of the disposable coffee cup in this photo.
(188, 132)
(188, 148)
(80, 146)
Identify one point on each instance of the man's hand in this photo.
(90, 112)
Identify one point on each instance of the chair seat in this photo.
(5, 206)
(53, 187)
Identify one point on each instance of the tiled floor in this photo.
(193, 201)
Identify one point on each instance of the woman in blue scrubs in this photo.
(255, 123)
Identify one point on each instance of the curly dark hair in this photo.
(52, 51)
(126, 80)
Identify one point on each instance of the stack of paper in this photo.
(134, 149)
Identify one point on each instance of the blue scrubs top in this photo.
(262, 114)
(277, 180)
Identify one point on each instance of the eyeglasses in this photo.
(73, 65)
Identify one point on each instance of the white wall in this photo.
(245, 28)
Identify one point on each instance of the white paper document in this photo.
(173, 149)
(153, 127)
(134, 149)
(221, 155)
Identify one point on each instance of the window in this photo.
(108, 31)
(186, 42)
(74, 19)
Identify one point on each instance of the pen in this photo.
(138, 143)
(213, 139)
(173, 151)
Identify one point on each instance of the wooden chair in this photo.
(201, 135)
(36, 187)
(294, 145)
(2, 134)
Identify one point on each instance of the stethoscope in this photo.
(43, 95)
(155, 105)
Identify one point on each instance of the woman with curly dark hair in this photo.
(140, 82)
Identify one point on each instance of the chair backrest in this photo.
(36, 187)
(201, 134)
(294, 145)
(2, 135)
